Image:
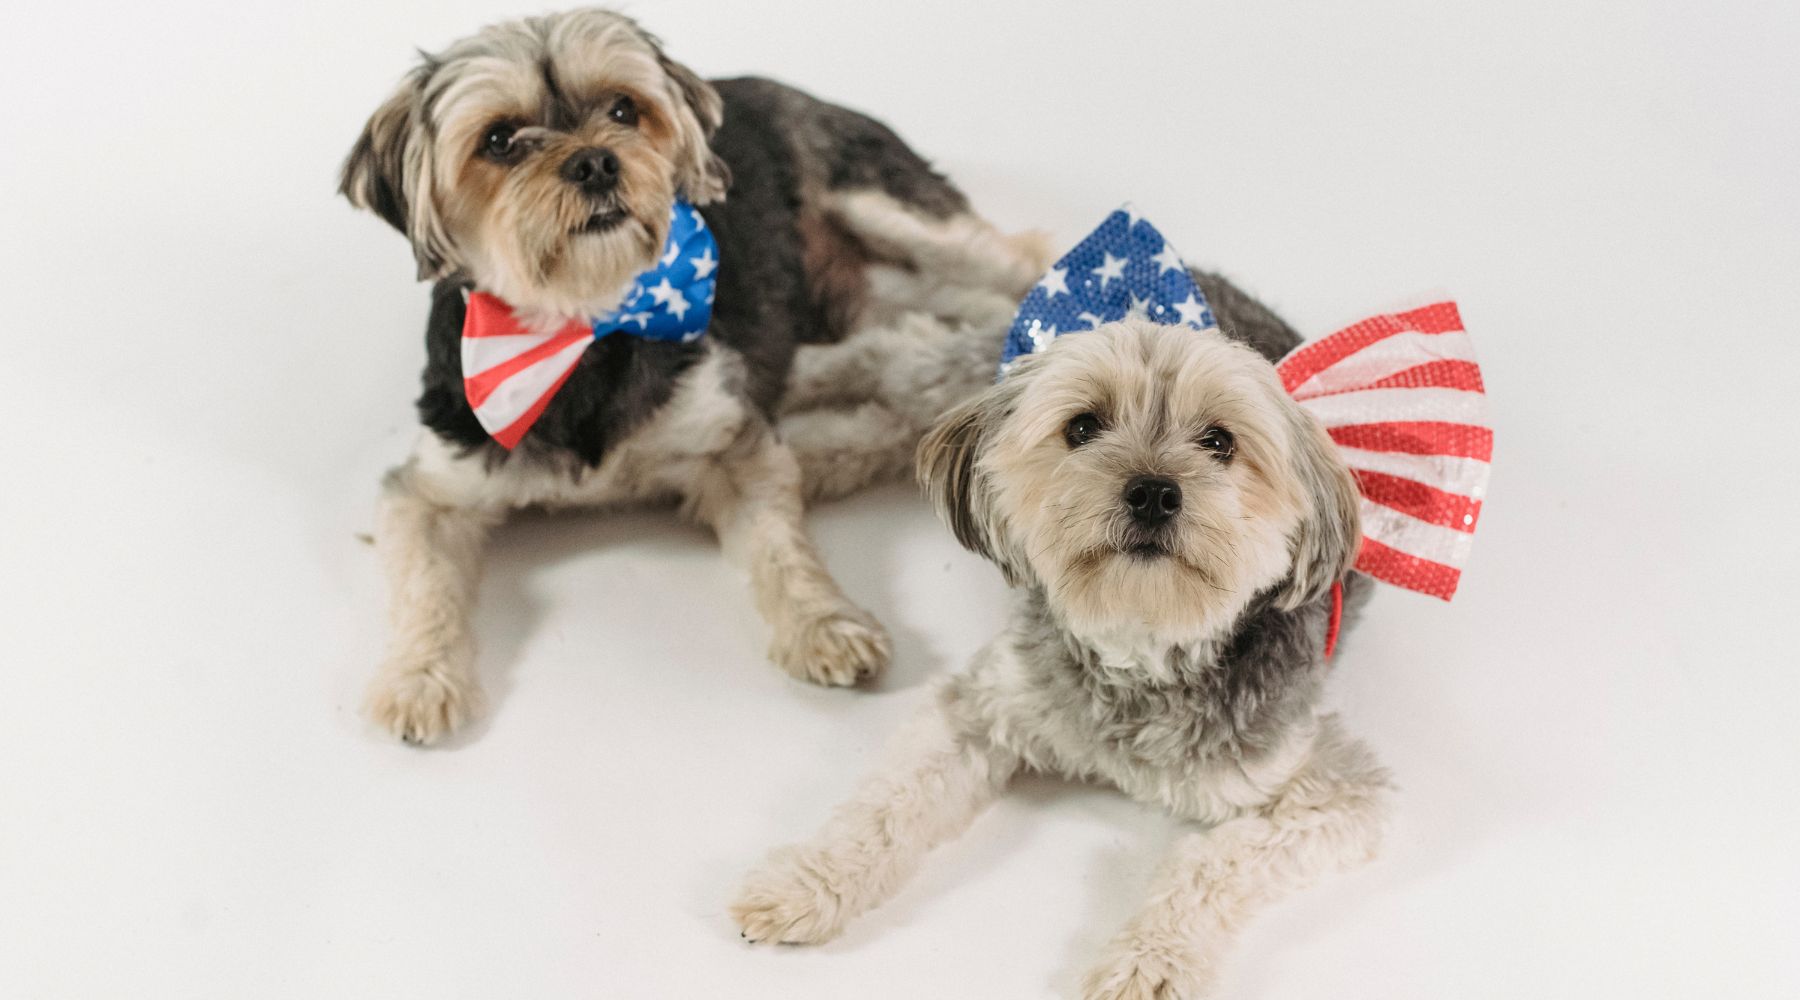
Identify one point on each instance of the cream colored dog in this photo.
(1174, 524)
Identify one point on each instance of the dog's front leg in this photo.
(1327, 818)
(432, 552)
(935, 782)
(752, 498)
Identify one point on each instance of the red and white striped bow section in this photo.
(1402, 397)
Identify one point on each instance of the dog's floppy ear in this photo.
(947, 464)
(1324, 544)
(384, 173)
(701, 175)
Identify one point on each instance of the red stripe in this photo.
(1418, 437)
(1415, 499)
(488, 316)
(1336, 621)
(481, 385)
(1296, 368)
(1464, 375)
(1411, 572)
(510, 435)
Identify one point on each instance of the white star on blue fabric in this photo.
(672, 301)
(1112, 267)
(703, 264)
(1126, 269)
(1194, 312)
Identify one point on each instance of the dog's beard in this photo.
(1181, 583)
(552, 251)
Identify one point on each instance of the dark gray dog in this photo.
(537, 162)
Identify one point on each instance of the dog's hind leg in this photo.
(841, 451)
(962, 247)
(751, 496)
(1327, 818)
(855, 410)
(432, 552)
(935, 782)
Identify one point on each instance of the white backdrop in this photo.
(210, 359)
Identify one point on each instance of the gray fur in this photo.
(1201, 700)
(1231, 700)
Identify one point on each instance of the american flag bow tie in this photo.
(1400, 394)
(510, 372)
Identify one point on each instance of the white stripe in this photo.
(1388, 356)
(1415, 537)
(514, 396)
(481, 353)
(1371, 406)
(1450, 473)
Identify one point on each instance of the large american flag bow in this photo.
(510, 372)
(1400, 394)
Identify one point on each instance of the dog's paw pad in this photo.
(420, 706)
(840, 648)
(787, 901)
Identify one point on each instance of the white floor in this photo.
(211, 359)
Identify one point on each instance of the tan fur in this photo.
(836, 263)
(708, 448)
(518, 226)
(1156, 393)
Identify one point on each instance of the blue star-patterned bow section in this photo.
(1123, 268)
(673, 300)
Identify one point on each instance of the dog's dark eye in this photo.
(497, 143)
(1083, 428)
(624, 111)
(1220, 442)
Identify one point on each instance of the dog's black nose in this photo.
(594, 170)
(1152, 499)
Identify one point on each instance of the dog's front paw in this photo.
(421, 704)
(790, 899)
(1134, 972)
(839, 648)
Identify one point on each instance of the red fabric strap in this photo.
(1336, 621)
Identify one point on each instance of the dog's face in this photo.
(1151, 479)
(541, 158)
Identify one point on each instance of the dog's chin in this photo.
(1146, 551)
(584, 273)
(601, 223)
(1144, 583)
